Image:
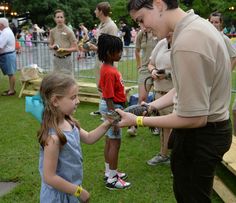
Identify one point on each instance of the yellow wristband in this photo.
(139, 121)
(78, 191)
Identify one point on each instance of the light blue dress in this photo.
(69, 167)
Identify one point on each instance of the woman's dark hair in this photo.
(138, 4)
(107, 45)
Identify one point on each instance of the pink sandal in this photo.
(8, 93)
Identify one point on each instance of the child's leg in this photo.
(106, 149)
(114, 180)
(106, 152)
(113, 154)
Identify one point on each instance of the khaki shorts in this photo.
(63, 65)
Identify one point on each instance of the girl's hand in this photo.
(127, 119)
(84, 196)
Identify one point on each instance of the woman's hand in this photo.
(158, 76)
(154, 74)
(127, 119)
(161, 76)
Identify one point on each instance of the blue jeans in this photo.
(195, 154)
(103, 109)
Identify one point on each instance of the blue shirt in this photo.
(69, 167)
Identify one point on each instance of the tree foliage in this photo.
(41, 11)
(205, 7)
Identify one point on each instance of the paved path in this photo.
(5, 187)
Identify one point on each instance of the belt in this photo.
(10, 52)
(62, 57)
(161, 92)
(218, 124)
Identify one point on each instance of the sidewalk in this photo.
(5, 187)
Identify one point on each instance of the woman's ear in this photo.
(54, 101)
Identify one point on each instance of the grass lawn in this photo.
(19, 151)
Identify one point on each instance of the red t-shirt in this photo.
(111, 84)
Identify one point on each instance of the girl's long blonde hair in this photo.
(55, 84)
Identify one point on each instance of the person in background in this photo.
(84, 39)
(216, 19)
(60, 135)
(84, 32)
(144, 44)
(21, 38)
(113, 93)
(18, 44)
(35, 36)
(232, 29)
(126, 35)
(133, 35)
(106, 26)
(63, 42)
(28, 37)
(160, 68)
(201, 126)
(8, 55)
(13, 28)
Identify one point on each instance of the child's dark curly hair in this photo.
(108, 45)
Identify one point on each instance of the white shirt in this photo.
(7, 41)
(160, 58)
(229, 45)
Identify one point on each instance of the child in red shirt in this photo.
(113, 92)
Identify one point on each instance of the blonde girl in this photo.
(61, 161)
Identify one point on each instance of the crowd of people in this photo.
(192, 89)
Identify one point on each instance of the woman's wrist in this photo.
(139, 121)
(152, 70)
(78, 191)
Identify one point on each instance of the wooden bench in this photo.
(30, 87)
(229, 161)
(87, 91)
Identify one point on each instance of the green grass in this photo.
(19, 151)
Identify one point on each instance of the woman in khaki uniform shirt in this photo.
(200, 63)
